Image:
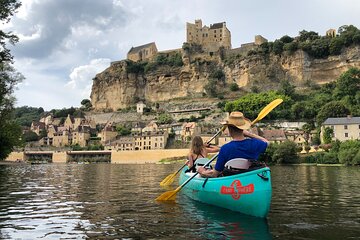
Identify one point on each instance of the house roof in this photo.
(274, 134)
(342, 121)
(217, 25)
(138, 48)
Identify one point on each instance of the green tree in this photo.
(278, 47)
(332, 109)
(30, 136)
(328, 135)
(164, 118)
(348, 83)
(10, 132)
(86, 104)
(286, 88)
(286, 152)
(349, 152)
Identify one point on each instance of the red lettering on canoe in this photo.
(236, 189)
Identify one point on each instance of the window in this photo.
(345, 127)
(346, 135)
(155, 144)
(359, 126)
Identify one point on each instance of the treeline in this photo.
(311, 42)
(161, 59)
(25, 115)
(347, 153)
(335, 99)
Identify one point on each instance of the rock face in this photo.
(115, 88)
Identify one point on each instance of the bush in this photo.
(234, 87)
(286, 152)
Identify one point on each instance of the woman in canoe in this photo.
(244, 144)
(199, 150)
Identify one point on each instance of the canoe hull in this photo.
(248, 193)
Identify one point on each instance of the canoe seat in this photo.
(201, 162)
(238, 164)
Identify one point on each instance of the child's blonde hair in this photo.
(197, 145)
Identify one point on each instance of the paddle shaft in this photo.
(206, 164)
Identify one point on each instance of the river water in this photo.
(111, 201)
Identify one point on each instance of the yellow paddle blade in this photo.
(168, 196)
(267, 109)
(168, 180)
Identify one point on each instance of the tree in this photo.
(348, 83)
(286, 152)
(332, 109)
(10, 132)
(86, 104)
(328, 135)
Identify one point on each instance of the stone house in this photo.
(143, 52)
(108, 134)
(274, 135)
(81, 135)
(62, 138)
(189, 130)
(37, 127)
(150, 140)
(69, 122)
(345, 128)
(210, 38)
(140, 107)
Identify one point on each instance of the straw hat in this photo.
(238, 120)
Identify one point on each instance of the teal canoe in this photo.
(248, 193)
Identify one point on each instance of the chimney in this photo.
(349, 116)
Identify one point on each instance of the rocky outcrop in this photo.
(115, 88)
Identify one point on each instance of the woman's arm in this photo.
(190, 161)
(211, 148)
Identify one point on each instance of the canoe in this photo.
(248, 193)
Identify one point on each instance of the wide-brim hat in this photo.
(238, 120)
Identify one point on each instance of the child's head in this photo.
(197, 145)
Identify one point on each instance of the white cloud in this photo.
(67, 42)
(81, 77)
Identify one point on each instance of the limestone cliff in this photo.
(117, 88)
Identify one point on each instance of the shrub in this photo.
(234, 87)
(286, 152)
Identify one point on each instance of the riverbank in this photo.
(118, 157)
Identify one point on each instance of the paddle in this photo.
(170, 178)
(171, 195)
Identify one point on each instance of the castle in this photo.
(210, 38)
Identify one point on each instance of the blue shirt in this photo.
(249, 148)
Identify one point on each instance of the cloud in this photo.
(44, 26)
(81, 77)
(65, 43)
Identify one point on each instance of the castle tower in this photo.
(210, 38)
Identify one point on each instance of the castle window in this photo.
(345, 127)
(214, 35)
(346, 135)
(220, 39)
(220, 35)
(214, 31)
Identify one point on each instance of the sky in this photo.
(65, 43)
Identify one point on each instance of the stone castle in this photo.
(210, 38)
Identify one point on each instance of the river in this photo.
(113, 201)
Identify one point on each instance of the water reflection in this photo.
(110, 201)
(218, 223)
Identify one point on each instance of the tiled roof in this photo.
(138, 48)
(342, 121)
(274, 134)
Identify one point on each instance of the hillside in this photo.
(192, 73)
